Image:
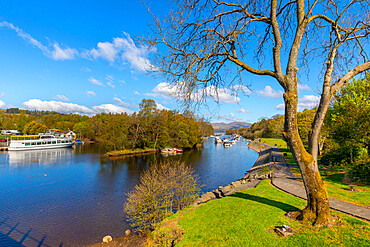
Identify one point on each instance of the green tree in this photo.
(21, 121)
(349, 118)
(208, 40)
(34, 127)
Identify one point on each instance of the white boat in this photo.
(218, 140)
(227, 143)
(43, 142)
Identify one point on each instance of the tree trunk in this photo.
(317, 210)
(313, 137)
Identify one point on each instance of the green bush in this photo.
(359, 171)
(338, 157)
(163, 189)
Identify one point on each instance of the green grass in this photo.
(340, 190)
(283, 147)
(333, 181)
(247, 218)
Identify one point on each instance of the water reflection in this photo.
(44, 156)
(81, 199)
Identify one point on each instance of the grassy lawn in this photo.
(333, 181)
(247, 218)
(283, 147)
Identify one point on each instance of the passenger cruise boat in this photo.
(42, 142)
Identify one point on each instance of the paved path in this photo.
(284, 180)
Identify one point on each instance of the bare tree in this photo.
(207, 44)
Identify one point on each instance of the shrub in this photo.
(338, 157)
(162, 190)
(360, 170)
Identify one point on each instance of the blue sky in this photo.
(80, 57)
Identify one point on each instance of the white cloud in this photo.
(168, 90)
(25, 36)
(63, 54)
(2, 95)
(243, 89)
(137, 93)
(118, 101)
(58, 106)
(105, 50)
(307, 102)
(85, 69)
(269, 92)
(243, 111)
(62, 97)
(223, 95)
(124, 49)
(229, 118)
(110, 79)
(2, 104)
(109, 108)
(121, 50)
(122, 81)
(55, 52)
(304, 87)
(90, 93)
(161, 107)
(280, 107)
(95, 81)
(62, 107)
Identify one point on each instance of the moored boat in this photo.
(38, 142)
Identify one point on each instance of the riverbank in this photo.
(239, 221)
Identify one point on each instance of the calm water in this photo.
(74, 197)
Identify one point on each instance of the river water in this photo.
(74, 197)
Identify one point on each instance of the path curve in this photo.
(283, 179)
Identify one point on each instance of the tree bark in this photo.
(313, 137)
(317, 210)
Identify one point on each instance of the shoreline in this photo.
(251, 179)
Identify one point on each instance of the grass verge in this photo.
(247, 218)
(333, 179)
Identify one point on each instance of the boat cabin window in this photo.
(39, 143)
(54, 142)
(46, 137)
(33, 143)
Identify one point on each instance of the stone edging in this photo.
(251, 179)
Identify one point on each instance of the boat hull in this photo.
(45, 146)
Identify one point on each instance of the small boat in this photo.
(227, 143)
(167, 150)
(78, 142)
(218, 140)
(171, 151)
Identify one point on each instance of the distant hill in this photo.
(222, 127)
